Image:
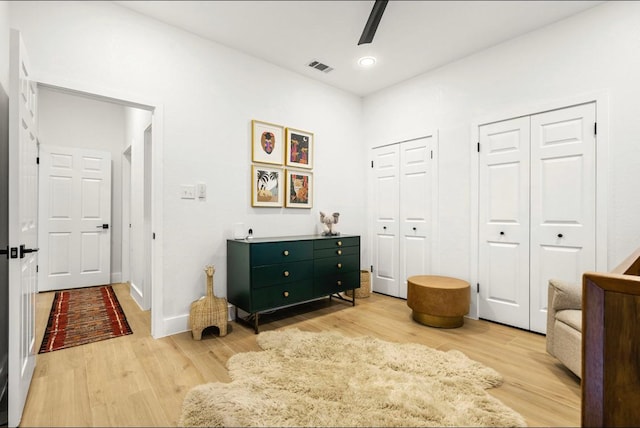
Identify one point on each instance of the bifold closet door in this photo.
(415, 210)
(386, 197)
(504, 222)
(563, 202)
(402, 201)
(537, 199)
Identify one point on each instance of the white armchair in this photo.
(564, 324)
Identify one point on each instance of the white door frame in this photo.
(157, 120)
(147, 214)
(126, 214)
(601, 98)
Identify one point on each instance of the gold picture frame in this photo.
(267, 143)
(299, 149)
(267, 186)
(299, 189)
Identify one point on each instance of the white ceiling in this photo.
(413, 36)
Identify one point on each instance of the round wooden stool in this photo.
(438, 301)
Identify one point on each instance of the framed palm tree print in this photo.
(267, 186)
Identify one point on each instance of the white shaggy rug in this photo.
(326, 379)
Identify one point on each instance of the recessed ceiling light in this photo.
(366, 61)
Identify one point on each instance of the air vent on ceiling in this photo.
(320, 66)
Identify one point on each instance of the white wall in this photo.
(596, 51)
(209, 95)
(75, 121)
(4, 45)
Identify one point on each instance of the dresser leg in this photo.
(255, 322)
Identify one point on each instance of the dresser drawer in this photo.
(264, 276)
(336, 265)
(268, 253)
(338, 242)
(281, 295)
(337, 283)
(333, 252)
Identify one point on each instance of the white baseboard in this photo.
(175, 325)
(180, 323)
(136, 294)
(116, 277)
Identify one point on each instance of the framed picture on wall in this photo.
(299, 148)
(267, 186)
(267, 143)
(299, 189)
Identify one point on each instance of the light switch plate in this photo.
(201, 190)
(188, 192)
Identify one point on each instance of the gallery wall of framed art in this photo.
(281, 172)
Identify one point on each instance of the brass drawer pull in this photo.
(339, 265)
(339, 243)
(339, 283)
(339, 252)
(286, 273)
(285, 294)
(285, 252)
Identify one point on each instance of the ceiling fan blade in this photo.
(373, 21)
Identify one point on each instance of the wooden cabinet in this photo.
(268, 273)
(611, 346)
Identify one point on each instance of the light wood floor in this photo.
(136, 380)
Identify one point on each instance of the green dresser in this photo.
(268, 273)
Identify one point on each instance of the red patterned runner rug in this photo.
(82, 316)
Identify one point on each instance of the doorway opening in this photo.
(135, 254)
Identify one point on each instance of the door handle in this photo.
(24, 250)
(104, 226)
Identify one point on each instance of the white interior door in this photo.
(504, 222)
(386, 275)
(415, 210)
(563, 203)
(75, 217)
(23, 226)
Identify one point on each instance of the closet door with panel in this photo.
(415, 210)
(402, 201)
(537, 200)
(563, 202)
(386, 198)
(504, 222)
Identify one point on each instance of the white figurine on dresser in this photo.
(329, 224)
